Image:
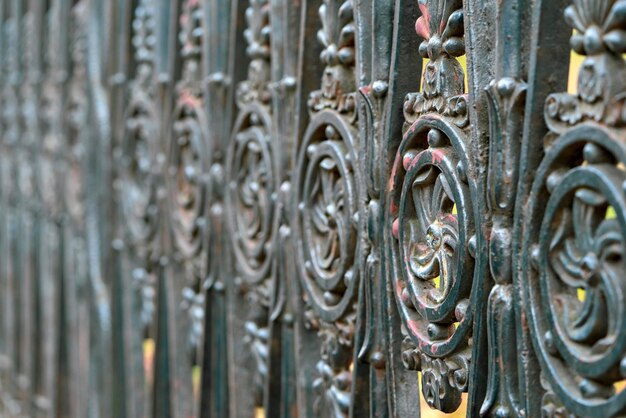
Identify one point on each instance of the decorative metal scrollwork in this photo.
(296, 226)
(139, 165)
(76, 117)
(187, 181)
(327, 247)
(188, 148)
(575, 249)
(505, 95)
(251, 162)
(251, 199)
(337, 36)
(188, 190)
(252, 192)
(333, 386)
(598, 35)
(327, 221)
(577, 292)
(433, 239)
(141, 134)
(432, 212)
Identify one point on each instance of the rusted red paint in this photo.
(450, 218)
(413, 326)
(437, 156)
(188, 99)
(422, 25)
(395, 228)
(408, 159)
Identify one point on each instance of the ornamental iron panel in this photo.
(312, 208)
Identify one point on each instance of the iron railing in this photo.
(313, 208)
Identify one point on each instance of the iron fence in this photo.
(313, 208)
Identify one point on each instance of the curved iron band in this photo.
(242, 135)
(412, 320)
(347, 168)
(536, 291)
(189, 238)
(142, 224)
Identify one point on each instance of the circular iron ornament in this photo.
(432, 235)
(327, 221)
(251, 194)
(574, 250)
(187, 183)
(138, 182)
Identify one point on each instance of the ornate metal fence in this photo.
(312, 208)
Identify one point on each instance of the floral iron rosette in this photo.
(599, 35)
(441, 28)
(337, 36)
(327, 220)
(574, 246)
(432, 222)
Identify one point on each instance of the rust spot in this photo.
(436, 156)
(450, 218)
(399, 288)
(413, 327)
(395, 228)
(394, 207)
(188, 99)
(422, 25)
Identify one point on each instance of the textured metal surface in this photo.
(312, 208)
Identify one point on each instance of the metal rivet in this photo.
(472, 243)
(548, 340)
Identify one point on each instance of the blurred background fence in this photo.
(312, 208)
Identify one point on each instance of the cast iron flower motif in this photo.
(441, 27)
(327, 214)
(440, 383)
(599, 26)
(434, 234)
(193, 303)
(337, 34)
(334, 391)
(586, 253)
(253, 198)
(257, 338)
